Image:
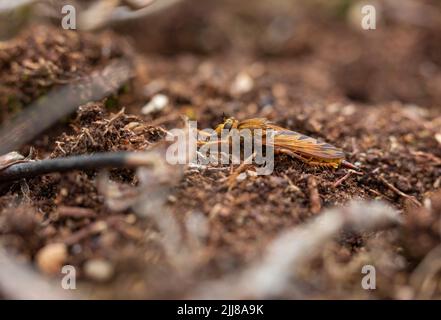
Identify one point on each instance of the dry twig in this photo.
(95, 161)
(314, 196)
(345, 177)
(75, 212)
(399, 192)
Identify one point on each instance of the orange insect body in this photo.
(297, 145)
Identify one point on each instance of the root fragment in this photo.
(314, 196)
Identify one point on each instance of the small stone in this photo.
(98, 270)
(64, 192)
(172, 199)
(158, 102)
(50, 259)
(242, 84)
(438, 137)
(131, 219)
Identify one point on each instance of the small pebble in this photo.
(98, 270)
(131, 219)
(172, 199)
(242, 84)
(438, 137)
(51, 258)
(158, 102)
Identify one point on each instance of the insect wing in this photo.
(294, 141)
(306, 146)
(252, 124)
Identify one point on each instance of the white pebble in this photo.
(438, 137)
(243, 83)
(98, 270)
(158, 102)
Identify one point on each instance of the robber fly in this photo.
(294, 144)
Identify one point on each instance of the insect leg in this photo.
(242, 167)
(219, 142)
(204, 133)
(292, 154)
(309, 161)
(324, 164)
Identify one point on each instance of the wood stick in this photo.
(83, 162)
(75, 212)
(399, 192)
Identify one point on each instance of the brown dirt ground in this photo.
(374, 94)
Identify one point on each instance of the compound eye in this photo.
(228, 125)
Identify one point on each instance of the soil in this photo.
(375, 94)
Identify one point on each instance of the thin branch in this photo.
(399, 192)
(345, 177)
(342, 179)
(83, 162)
(75, 212)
